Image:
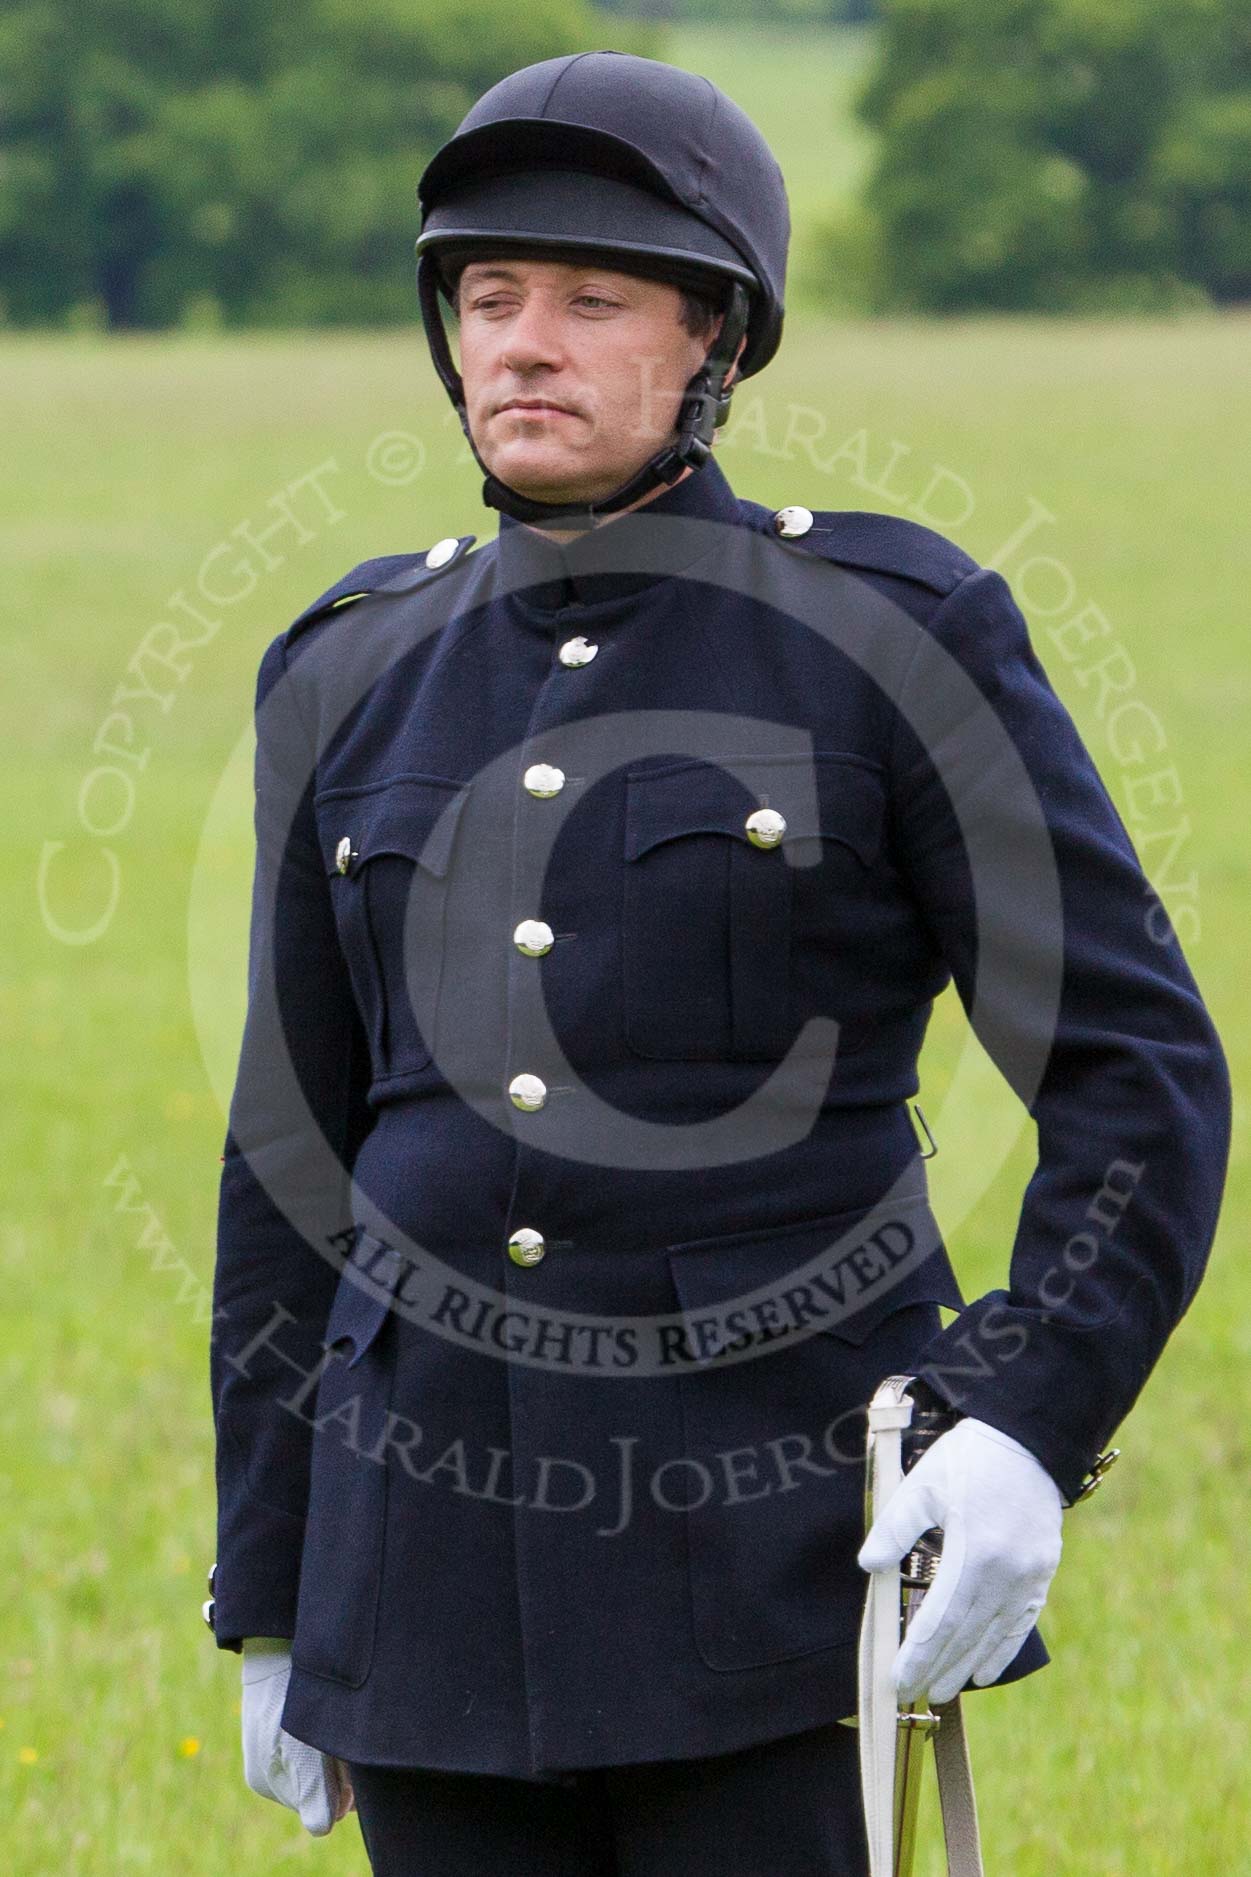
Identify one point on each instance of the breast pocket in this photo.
(712, 921)
(774, 1443)
(387, 851)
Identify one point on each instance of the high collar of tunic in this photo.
(546, 577)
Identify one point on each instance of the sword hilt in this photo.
(931, 1418)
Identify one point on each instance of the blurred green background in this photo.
(1093, 444)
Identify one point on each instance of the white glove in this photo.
(277, 1765)
(1000, 1514)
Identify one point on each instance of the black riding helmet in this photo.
(651, 170)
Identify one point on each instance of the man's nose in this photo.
(532, 338)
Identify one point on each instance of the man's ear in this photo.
(731, 377)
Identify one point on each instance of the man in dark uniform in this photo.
(571, 1208)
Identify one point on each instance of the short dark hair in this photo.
(701, 308)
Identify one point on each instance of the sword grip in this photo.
(931, 1418)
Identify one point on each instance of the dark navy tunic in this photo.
(540, 1415)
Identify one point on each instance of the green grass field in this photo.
(130, 468)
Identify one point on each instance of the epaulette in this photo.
(389, 573)
(886, 544)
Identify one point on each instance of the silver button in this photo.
(534, 937)
(212, 1579)
(442, 551)
(790, 523)
(527, 1092)
(208, 1610)
(765, 827)
(526, 1245)
(577, 652)
(542, 779)
(345, 854)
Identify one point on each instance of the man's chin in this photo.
(545, 472)
(542, 479)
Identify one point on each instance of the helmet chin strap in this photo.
(705, 406)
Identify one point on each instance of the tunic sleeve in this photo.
(297, 1116)
(1074, 981)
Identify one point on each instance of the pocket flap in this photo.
(413, 815)
(825, 796)
(869, 1262)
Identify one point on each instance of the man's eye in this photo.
(594, 299)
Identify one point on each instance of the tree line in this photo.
(1058, 155)
(239, 162)
(244, 163)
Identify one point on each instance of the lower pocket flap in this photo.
(841, 1273)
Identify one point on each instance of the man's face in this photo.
(573, 373)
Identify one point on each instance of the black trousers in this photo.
(787, 1808)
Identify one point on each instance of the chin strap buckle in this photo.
(706, 404)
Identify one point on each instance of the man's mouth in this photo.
(536, 407)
